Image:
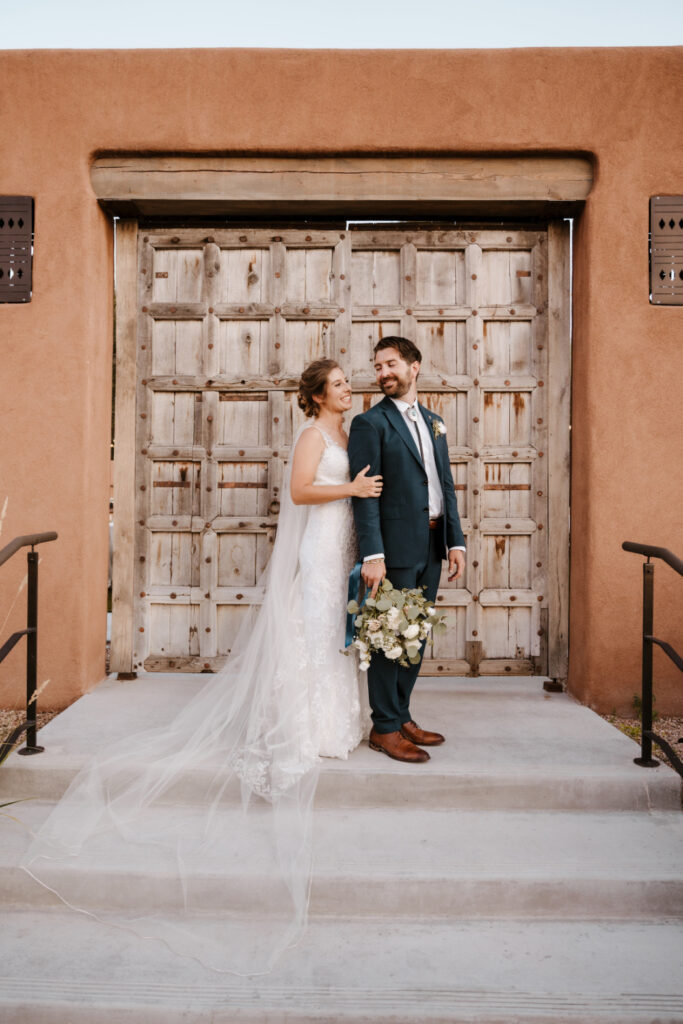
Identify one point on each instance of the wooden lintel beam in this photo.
(202, 186)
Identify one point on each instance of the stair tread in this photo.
(371, 843)
(508, 743)
(379, 970)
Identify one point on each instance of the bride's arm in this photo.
(307, 454)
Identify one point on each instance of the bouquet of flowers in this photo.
(396, 622)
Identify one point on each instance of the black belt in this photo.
(434, 524)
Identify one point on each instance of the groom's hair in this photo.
(405, 348)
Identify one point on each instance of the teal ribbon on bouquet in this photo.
(354, 589)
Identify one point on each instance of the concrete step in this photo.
(391, 861)
(509, 746)
(530, 872)
(396, 971)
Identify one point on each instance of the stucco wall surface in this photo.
(622, 106)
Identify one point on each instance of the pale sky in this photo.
(382, 24)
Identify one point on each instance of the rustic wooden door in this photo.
(227, 320)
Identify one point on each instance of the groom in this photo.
(407, 532)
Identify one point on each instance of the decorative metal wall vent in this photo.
(666, 250)
(16, 248)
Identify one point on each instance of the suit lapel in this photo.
(398, 423)
(437, 455)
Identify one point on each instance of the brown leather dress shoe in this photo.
(393, 744)
(413, 732)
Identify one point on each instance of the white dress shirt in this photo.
(436, 506)
(427, 448)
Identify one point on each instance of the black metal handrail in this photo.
(646, 760)
(30, 726)
(650, 551)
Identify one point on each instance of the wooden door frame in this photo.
(514, 187)
(123, 573)
(559, 446)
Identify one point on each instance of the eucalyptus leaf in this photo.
(370, 602)
(384, 604)
(414, 659)
(352, 607)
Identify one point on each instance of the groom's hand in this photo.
(373, 573)
(456, 564)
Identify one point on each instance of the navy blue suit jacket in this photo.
(397, 523)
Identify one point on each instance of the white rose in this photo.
(411, 631)
(374, 626)
(426, 627)
(376, 640)
(364, 666)
(393, 616)
(394, 653)
(361, 645)
(430, 610)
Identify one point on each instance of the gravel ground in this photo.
(10, 719)
(670, 729)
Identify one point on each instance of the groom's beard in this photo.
(396, 386)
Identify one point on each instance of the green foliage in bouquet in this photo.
(395, 622)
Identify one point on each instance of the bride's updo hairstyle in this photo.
(314, 382)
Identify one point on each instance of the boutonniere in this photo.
(439, 428)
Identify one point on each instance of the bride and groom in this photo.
(287, 696)
(406, 520)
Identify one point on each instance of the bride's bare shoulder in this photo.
(310, 440)
(313, 433)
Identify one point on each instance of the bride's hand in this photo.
(366, 486)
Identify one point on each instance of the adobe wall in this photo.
(55, 353)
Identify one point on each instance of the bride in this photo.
(226, 880)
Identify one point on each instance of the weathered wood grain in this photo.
(124, 451)
(559, 398)
(177, 185)
(238, 316)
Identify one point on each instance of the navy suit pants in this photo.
(390, 685)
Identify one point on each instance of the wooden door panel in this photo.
(177, 274)
(242, 419)
(440, 277)
(176, 487)
(308, 275)
(243, 348)
(453, 409)
(174, 559)
(376, 277)
(228, 321)
(244, 275)
(242, 558)
(177, 348)
(304, 341)
(443, 344)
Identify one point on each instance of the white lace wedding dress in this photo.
(328, 553)
(165, 804)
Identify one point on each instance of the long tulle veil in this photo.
(194, 807)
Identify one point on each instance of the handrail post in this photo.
(646, 759)
(32, 656)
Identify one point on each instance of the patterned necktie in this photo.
(413, 414)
